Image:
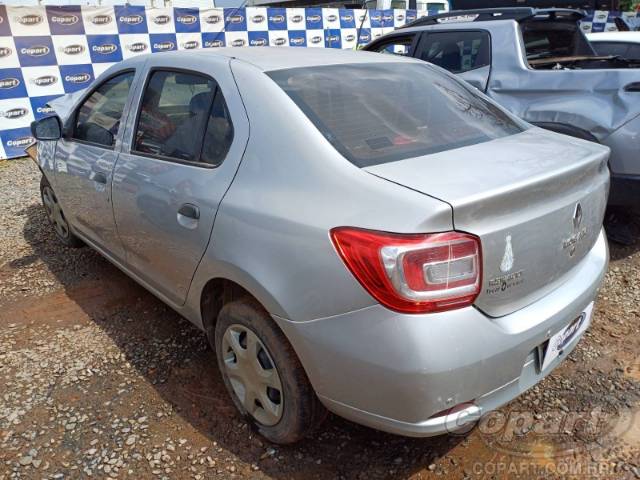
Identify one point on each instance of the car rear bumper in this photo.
(393, 372)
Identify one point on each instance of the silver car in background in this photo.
(353, 231)
(538, 64)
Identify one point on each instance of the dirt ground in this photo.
(99, 379)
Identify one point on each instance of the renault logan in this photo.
(354, 232)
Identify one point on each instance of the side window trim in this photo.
(70, 125)
(164, 158)
(424, 38)
(394, 38)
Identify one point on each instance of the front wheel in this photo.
(263, 374)
(55, 215)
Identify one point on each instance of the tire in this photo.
(56, 217)
(284, 412)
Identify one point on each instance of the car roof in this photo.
(278, 58)
(518, 14)
(630, 37)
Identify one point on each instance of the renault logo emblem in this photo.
(577, 216)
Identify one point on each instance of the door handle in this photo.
(100, 177)
(632, 87)
(190, 211)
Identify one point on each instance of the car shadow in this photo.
(176, 362)
(623, 231)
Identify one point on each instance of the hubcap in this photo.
(54, 212)
(252, 374)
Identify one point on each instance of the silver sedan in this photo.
(353, 232)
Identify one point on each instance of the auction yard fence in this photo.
(48, 51)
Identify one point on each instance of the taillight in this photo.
(413, 273)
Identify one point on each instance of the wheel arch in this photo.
(219, 290)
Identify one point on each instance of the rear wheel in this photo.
(263, 374)
(55, 215)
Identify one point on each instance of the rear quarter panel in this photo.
(271, 234)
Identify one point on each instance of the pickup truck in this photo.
(540, 66)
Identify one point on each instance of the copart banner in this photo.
(49, 51)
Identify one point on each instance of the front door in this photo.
(465, 53)
(183, 150)
(85, 158)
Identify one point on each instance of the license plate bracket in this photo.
(558, 342)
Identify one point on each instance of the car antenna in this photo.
(364, 17)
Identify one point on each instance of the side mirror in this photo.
(48, 128)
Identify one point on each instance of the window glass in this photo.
(611, 48)
(382, 112)
(456, 51)
(397, 46)
(219, 133)
(174, 113)
(633, 53)
(99, 116)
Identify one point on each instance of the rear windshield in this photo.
(382, 112)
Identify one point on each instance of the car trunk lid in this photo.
(535, 199)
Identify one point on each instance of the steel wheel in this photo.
(54, 212)
(252, 374)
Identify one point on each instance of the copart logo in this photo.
(187, 19)
(190, 45)
(239, 42)
(137, 47)
(35, 51)
(347, 18)
(333, 38)
(14, 113)
(20, 142)
(235, 19)
(105, 49)
(297, 41)
(214, 43)
(162, 19)
(332, 18)
(78, 78)
(350, 38)
(29, 20)
(258, 42)
(161, 46)
(365, 37)
(44, 110)
(45, 80)
(314, 18)
(213, 19)
(277, 18)
(101, 19)
(73, 49)
(296, 18)
(316, 39)
(131, 19)
(64, 19)
(5, 52)
(8, 83)
(257, 18)
(278, 42)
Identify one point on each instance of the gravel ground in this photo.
(100, 379)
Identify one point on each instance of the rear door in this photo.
(467, 53)
(183, 148)
(86, 155)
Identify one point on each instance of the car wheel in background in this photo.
(55, 215)
(263, 374)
